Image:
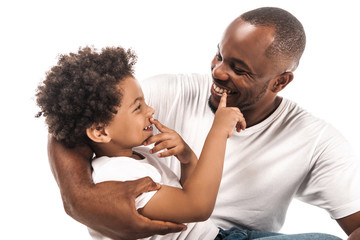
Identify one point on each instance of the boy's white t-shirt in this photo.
(125, 168)
(289, 154)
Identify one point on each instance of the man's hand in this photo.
(107, 207)
(116, 217)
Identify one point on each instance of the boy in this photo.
(92, 98)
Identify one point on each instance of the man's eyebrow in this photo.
(239, 61)
(242, 63)
(136, 99)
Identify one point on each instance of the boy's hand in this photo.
(170, 140)
(228, 118)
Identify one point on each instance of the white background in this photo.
(169, 37)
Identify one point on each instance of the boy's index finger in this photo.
(158, 125)
(222, 103)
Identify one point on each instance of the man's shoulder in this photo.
(193, 77)
(176, 86)
(296, 115)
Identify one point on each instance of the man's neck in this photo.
(261, 112)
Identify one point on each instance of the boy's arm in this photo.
(195, 202)
(188, 168)
(175, 145)
(102, 206)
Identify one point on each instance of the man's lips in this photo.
(219, 90)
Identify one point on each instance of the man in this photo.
(284, 152)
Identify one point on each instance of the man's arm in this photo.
(351, 225)
(103, 206)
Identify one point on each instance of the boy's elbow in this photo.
(204, 216)
(203, 212)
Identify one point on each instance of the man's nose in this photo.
(219, 72)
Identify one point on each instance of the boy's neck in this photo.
(105, 149)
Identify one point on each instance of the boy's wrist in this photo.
(218, 133)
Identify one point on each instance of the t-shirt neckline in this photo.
(263, 124)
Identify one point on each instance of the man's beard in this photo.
(212, 107)
(245, 105)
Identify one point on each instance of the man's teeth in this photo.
(148, 127)
(221, 90)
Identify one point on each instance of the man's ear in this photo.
(98, 134)
(282, 81)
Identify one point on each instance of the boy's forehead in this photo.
(131, 91)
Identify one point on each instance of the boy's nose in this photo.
(150, 111)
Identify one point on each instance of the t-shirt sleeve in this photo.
(334, 180)
(173, 94)
(113, 169)
(164, 93)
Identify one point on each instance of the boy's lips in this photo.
(148, 128)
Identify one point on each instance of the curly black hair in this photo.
(81, 90)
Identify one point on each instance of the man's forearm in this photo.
(71, 169)
(102, 206)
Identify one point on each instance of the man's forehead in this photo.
(248, 43)
(242, 30)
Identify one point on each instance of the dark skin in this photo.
(246, 71)
(82, 198)
(240, 66)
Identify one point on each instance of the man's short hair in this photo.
(289, 38)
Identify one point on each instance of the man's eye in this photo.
(218, 57)
(138, 107)
(239, 72)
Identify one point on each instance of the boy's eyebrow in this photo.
(137, 99)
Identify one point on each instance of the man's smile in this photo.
(219, 90)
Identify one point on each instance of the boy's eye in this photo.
(138, 107)
(218, 56)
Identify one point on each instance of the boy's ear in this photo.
(282, 81)
(98, 134)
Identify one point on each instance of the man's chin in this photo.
(211, 105)
(214, 108)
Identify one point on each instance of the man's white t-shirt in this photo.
(125, 168)
(289, 154)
